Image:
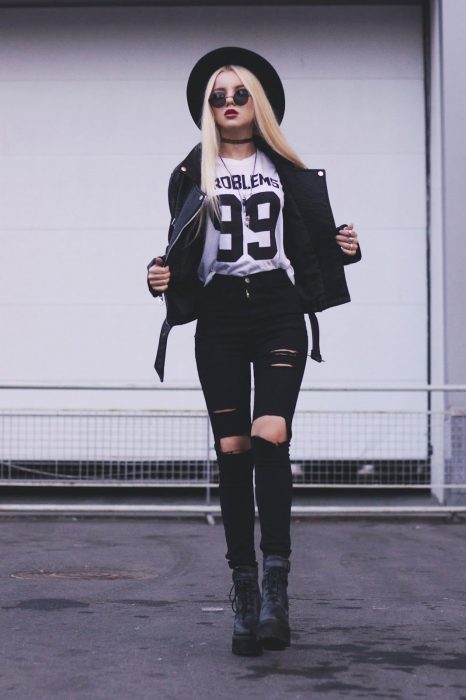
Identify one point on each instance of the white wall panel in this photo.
(130, 191)
(45, 192)
(86, 117)
(111, 342)
(389, 258)
(382, 190)
(76, 266)
(98, 266)
(144, 43)
(366, 343)
(95, 117)
(355, 116)
(47, 343)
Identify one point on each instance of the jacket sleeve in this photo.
(349, 259)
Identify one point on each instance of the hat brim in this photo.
(234, 55)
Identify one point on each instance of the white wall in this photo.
(93, 119)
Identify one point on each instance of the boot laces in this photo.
(242, 596)
(275, 579)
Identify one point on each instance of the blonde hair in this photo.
(265, 124)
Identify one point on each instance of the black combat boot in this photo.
(273, 630)
(246, 603)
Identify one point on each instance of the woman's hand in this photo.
(159, 276)
(347, 239)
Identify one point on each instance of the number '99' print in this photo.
(233, 226)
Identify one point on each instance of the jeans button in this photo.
(247, 280)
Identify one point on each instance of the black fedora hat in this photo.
(234, 55)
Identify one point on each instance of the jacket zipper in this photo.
(201, 199)
(162, 298)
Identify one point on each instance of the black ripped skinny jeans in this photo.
(252, 320)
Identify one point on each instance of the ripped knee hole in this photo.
(234, 444)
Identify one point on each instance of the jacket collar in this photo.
(191, 165)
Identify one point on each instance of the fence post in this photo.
(208, 464)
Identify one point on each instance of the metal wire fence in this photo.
(330, 448)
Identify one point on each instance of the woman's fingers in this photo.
(347, 239)
(158, 285)
(348, 248)
(159, 273)
(159, 276)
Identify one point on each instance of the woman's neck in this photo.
(236, 150)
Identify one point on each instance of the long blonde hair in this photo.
(265, 124)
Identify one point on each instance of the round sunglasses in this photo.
(218, 98)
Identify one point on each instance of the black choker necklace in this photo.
(223, 140)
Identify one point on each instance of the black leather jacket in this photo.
(309, 242)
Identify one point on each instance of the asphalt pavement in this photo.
(137, 608)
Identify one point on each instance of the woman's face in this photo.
(232, 117)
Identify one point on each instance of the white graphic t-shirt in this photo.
(249, 237)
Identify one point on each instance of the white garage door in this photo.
(93, 119)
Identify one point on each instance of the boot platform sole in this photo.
(246, 646)
(273, 636)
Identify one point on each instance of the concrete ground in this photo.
(137, 608)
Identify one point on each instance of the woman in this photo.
(252, 247)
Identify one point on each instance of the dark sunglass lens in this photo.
(241, 97)
(217, 99)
